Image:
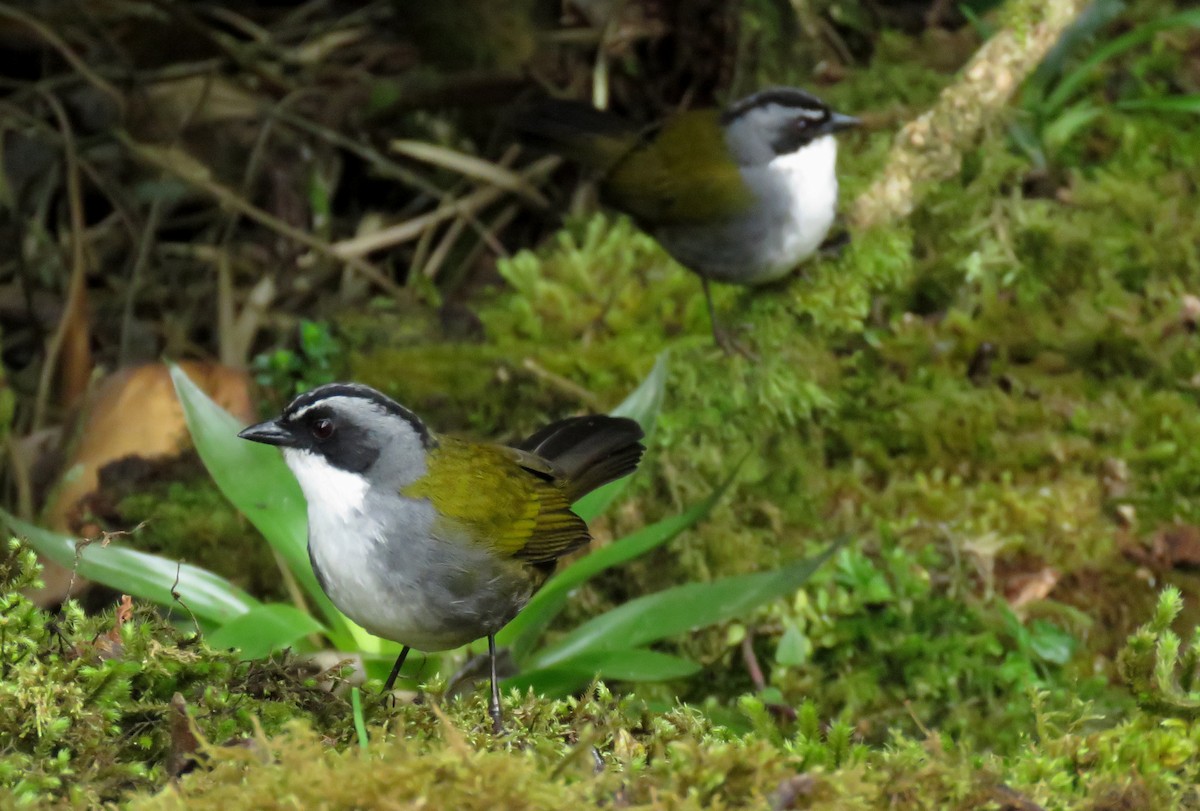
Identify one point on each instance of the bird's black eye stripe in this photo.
(301, 407)
(322, 428)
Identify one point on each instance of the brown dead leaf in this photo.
(794, 792)
(1176, 546)
(133, 413)
(108, 645)
(124, 613)
(1114, 478)
(184, 742)
(1189, 312)
(164, 108)
(1029, 587)
(1126, 515)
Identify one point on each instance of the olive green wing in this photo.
(506, 499)
(681, 175)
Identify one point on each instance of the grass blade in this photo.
(1167, 104)
(572, 674)
(1082, 74)
(523, 631)
(681, 609)
(360, 727)
(643, 404)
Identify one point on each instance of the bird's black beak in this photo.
(838, 122)
(269, 433)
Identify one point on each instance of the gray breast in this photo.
(398, 579)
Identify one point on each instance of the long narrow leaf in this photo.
(1076, 78)
(522, 632)
(257, 482)
(1062, 129)
(1083, 30)
(264, 630)
(1167, 104)
(142, 575)
(643, 404)
(680, 609)
(620, 665)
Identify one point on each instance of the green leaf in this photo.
(619, 665)
(264, 630)
(1081, 32)
(1051, 643)
(142, 575)
(680, 609)
(523, 631)
(1082, 74)
(771, 695)
(794, 647)
(1063, 128)
(360, 726)
(643, 404)
(256, 481)
(1166, 104)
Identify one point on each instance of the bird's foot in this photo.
(388, 700)
(835, 244)
(731, 345)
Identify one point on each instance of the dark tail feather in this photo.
(577, 131)
(591, 450)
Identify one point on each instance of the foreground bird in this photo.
(740, 196)
(432, 541)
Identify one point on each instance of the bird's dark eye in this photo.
(322, 429)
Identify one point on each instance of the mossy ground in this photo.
(126, 707)
(1004, 388)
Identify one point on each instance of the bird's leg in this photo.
(391, 680)
(720, 335)
(494, 700)
(835, 244)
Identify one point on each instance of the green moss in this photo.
(84, 701)
(980, 394)
(1004, 387)
(192, 521)
(600, 751)
(441, 757)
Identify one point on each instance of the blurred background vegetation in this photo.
(992, 401)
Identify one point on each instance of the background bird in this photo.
(738, 196)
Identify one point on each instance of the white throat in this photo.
(800, 190)
(811, 176)
(816, 161)
(332, 493)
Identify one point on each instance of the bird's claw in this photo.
(730, 345)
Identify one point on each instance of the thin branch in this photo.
(930, 148)
(76, 288)
(411, 229)
(194, 173)
(73, 59)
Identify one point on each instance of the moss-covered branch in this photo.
(930, 147)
